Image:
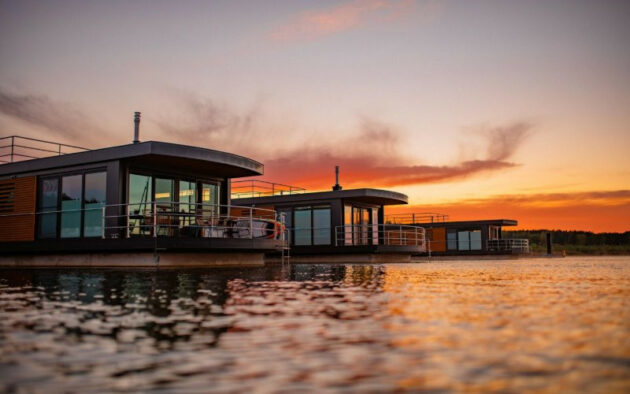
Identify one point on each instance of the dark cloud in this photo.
(60, 120)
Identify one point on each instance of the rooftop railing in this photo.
(250, 188)
(416, 218)
(16, 148)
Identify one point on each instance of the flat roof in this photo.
(464, 223)
(223, 163)
(368, 196)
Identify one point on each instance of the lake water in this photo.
(554, 325)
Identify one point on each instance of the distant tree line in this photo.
(575, 242)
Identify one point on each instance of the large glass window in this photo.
(187, 200)
(475, 240)
(140, 197)
(347, 221)
(375, 226)
(463, 240)
(321, 226)
(451, 240)
(95, 196)
(48, 199)
(303, 230)
(209, 200)
(71, 200)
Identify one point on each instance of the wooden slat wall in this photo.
(17, 196)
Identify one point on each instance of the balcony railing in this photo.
(16, 148)
(170, 219)
(255, 188)
(380, 234)
(416, 218)
(509, 245)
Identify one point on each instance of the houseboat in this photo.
(461, 238)
(141, 204)
(336, 225)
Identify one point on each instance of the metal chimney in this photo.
(337, 185)
(136, 129)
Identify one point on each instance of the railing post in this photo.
(154, 219)
(103, 222)
(128, 231)
(12, 147)
(337, 236)
(251, 222)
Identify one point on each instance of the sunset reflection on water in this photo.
(542, 325)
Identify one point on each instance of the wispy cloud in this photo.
(60, 120)
(377, 160)
(346, 16)
(594, 210)
(371, 156)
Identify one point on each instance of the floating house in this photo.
(474, 237)
(141, 204)
(337, 225)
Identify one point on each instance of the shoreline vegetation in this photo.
(575, 243)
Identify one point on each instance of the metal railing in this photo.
(416, 218)
(170, 219)
(255, 188)
(508, 245)
(380, 234)
(17, 148)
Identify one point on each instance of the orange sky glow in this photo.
(478, 110)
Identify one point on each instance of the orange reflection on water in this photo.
(512, 325)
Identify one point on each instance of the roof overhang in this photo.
(367, 196)
(180, 157)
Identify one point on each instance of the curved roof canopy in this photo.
(368, 196)
(180, 157)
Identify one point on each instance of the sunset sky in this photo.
(476, 109)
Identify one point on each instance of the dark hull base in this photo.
(135, 260)
(138, 252)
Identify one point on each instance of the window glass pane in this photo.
(475, 240)
(347, 221)
(210, 200)
(463, 240)
(451, 241)
(71, 192)
(95, 185)
(303, 229)
(187, 199)
(140, 195)
(48, 197)
(164, 190)
(375, 226)
(321, 224)
(284, 216)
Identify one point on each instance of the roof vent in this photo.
(136, 129)
(337, 185)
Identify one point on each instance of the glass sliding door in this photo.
(210, 201)
(48, 200)
(71, 201)
(321, 226)
(140, 198)
(164, 204)
(187, 200)
(303, 230)
(95, 194)
(347, 222)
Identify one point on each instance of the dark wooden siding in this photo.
(17, 208)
